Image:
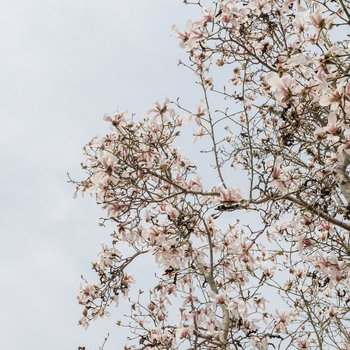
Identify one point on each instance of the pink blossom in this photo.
(229, 194)
(333, 127)
(282, 86)
(161, 109)
(331, 98)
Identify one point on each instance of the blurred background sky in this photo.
(63, 65)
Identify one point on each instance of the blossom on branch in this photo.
(248, 230)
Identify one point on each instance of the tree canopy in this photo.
(253, 247)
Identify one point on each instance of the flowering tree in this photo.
(265, 266)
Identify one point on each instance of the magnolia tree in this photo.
(252, 245)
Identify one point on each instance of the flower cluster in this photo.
(260, 268)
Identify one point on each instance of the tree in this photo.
(266, 266)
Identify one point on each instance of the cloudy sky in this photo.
(63, 65)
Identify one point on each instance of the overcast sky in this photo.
(63, 65)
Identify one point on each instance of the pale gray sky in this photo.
(63, 65)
